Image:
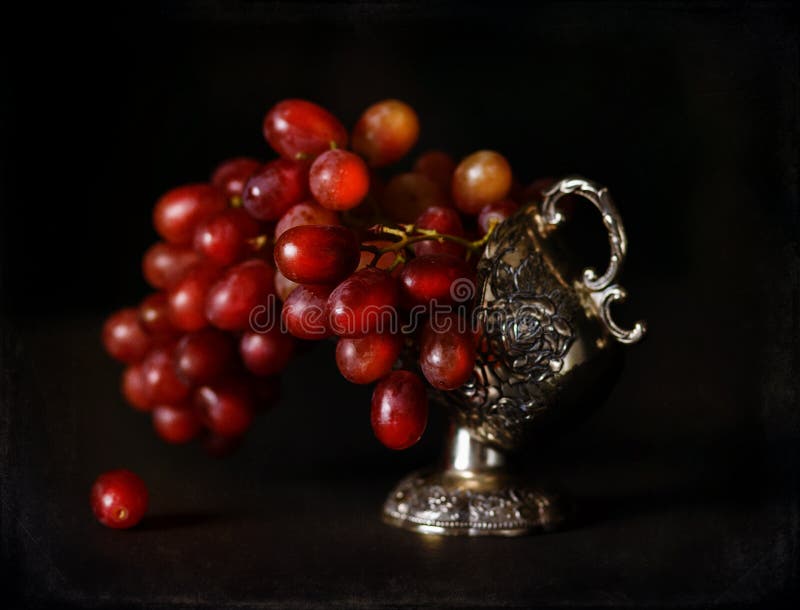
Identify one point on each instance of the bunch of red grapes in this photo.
(318, 243)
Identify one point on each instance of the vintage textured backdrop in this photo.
(688, 475)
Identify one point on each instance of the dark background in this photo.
(687, 478)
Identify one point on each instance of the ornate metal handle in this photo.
(600, 289)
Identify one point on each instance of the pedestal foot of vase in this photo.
(472, 494)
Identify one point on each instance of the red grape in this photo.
(437, 166)
(305, 213)
(134, 388)
(283, 286)
(480, 179)
(447, 352)
(409, 195)
(243, 288)
(442, 220)
(124, 337)
(386, 132)
(161, 382)
(222, 238)
(231, 175)
(433, 277)
(367, 359)
(364, 303)
(176, 425)
(119, 499)
(164, 264)
(266, 353)
(339, 180)
(202, 356)
(226, 407)
(495, 212)
(297, 128)
(305, 312)
(275, 188)
(154, 315)
(399, 409)
(177, 213)
(317, 254)
(187, 299)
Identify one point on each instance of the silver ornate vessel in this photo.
(547, 338)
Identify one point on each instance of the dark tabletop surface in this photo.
(676, 507)
(686, 479)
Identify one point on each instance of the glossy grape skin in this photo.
(385, 132)
(408, 195)
(275, 188)
(480, 179)
(241, 289)
(161, 381)
(432, 277)
(298, 128)
(317, 254)
(124, 337)
(154, 316)
(165, 264)
(226, 407)
(119, 499)
(364, 303)
(305, 213)
(204, 355)
(443, 220)
(367, 359)
(134, 389)
(447, 357)
(187, 299)
(230, 176)
(176, 424)
(266, 353)
(222, 238)
(495, 212)
(304, 313)
(178, 212)
(438, 166)
(283, 285)
(339, 180)
(399, 411)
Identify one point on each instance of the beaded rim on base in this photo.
(422, 503)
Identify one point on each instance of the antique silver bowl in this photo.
(547, 340)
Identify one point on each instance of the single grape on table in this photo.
(119, 499)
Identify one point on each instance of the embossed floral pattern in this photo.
(525, 315)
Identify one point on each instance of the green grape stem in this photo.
(408, 234)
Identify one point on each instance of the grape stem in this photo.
(410, 234)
